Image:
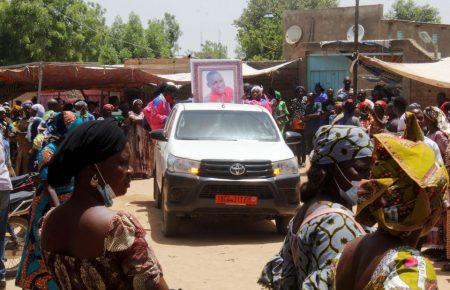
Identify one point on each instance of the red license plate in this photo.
(236, 200)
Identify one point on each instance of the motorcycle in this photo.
(21, 198)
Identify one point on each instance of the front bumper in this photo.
(191, 196)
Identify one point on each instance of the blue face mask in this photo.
(105, 191)
(350, 195)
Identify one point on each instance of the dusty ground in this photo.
(209, 254)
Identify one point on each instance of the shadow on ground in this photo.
(210, 231)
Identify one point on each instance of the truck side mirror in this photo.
(293, 138)
(158, 135)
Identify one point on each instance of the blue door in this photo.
(328, 70)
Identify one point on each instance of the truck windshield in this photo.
(226, 126)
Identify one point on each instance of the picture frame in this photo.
(217, 81)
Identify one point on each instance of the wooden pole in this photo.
(356, 51)
(40, 75)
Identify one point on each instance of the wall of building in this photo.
(331, 24)
(397, 29)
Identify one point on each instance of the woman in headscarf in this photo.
(37, 118)
(106, 112)
(281, 112)
(32, 273)
(324, 224)
(141, 159)
(85, 244)
(258, 98)
(404, 195)
(23, 145)
(439, 131)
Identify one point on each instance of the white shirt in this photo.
(5, 180)
(401, 123)
(433, 145)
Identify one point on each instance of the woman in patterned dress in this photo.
(85, 244)
(324, 224)
(404, 195)
(32, 273)
(141, 145)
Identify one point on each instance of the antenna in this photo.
(201, 37)
(220, 36)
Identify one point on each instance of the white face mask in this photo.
(350, 195)
(106, 191)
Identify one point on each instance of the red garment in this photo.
(226, 97)
(442, 107)
(157, 112)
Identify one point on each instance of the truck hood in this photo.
(231, 150)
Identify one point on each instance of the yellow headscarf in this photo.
(406, 189)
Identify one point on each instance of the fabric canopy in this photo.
(17, 80)
(247, 72)
(20, 79)
(435, 73)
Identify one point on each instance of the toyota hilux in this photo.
(224, 159)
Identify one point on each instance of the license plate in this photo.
(236, 200)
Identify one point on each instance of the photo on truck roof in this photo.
(217, 81)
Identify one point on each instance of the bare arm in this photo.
(50, 191)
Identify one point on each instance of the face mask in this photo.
(350, 195)
(106, 191)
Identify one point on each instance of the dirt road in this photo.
(219, 255)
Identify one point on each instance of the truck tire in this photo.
(156, 193)
(282, 223)
(170, 225)
(170, 222)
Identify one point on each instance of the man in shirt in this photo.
(344, 93)
(81, 108)
(158, 110)
(5, 189)
(313, 112)
(362, 98)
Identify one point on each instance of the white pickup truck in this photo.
(224, 159)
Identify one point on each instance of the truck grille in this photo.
(221, 169)
(261, 191)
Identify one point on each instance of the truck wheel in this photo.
(156, 193)
(282, 223)
(170, 224)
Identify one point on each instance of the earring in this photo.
(94, 181)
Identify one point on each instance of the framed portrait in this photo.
(217, 81)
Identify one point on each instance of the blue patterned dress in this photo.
(317, 243)
(32, 273)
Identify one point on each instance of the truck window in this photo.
(226, 126)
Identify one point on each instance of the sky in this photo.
(202, 20)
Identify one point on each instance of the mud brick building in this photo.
(326, 51)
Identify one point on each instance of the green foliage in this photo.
(260, 33)
(212, 50)
(34, 30)
(409, 10)
(75, 30)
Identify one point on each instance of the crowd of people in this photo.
(387, 158)
(31, 138)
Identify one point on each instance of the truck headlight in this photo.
(285, 167)
(182, 165)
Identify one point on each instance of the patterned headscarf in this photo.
(435, 115)
(336, 143)
(137, 101)
(108, 107)
(406, 189)
(40, 110)
(62, 123)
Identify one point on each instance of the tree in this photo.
(409, 10)
(46, 30)
(212, 50)
(162, 36)
(260, 33)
